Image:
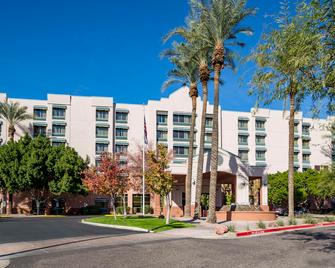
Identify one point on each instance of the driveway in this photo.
(28, 233)
(304, 248)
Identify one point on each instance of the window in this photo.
(243, 154)
(296, 127)
(137, 202)
(162, 135)
(102, 115)
(260, 140)
(242, 124)
(58, 143)
(101, 148)
(181, 119)
(58, 130)
(242, 140)
(305, 130)
(121, 133)
(260, 124)
(209, 122)
(296, 157)
(121, 117)
(40, 130)
(180, 151)
(296, 142)
(208, 137)
(260, 155)
(121, 148)
(40, 114)
(305, 144)
(162, 119)
(181, 135)
(58, 113)
(101, 132)
(305, 158)
(119, 201)
(97, 162)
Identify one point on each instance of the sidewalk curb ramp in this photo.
(116, 226)
(284, 228)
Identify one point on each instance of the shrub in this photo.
(90, 210)
(280, 223)
(261, 225)
(310, 220)
(292, 221)
(231, 228)
(329, 219)
(119, 210)
(148, 209)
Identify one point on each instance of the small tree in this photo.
(109, 178)
(158, 179)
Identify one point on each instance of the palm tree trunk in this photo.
(11, 132)
(211, 218)
(188, 181)
(8, 203)
(201, 151)
(291, 158)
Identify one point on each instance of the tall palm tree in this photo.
(288, 64)
(201, 56)
(13, 113)
(221, 20)
(185, 72)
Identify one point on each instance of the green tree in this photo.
(158, 179)
(221, 21)
(185, 72)
(287, 67)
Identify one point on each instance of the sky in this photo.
(106, 48)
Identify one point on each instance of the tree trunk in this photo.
(11, 132)
(211, 218)
(291, 159)
(198, 190)
(167, 204)
(8, 204)
(124, 206)
(113, 206)
(38, 206)
(188, 181)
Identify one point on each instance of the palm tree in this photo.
(185, 72)
(201, 56)
(288, 68)
(13, 113)
(221, 20)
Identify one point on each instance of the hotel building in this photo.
(251, 144)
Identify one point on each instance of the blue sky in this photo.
(104, 48)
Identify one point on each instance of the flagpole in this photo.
(143, 164)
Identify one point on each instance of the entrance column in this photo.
(242, 190)
(264, 193)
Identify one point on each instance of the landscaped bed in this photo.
(149, 223)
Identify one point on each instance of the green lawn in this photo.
(150, 223)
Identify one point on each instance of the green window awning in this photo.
(243, 118)
(43, 124)
(162, 112)
(61, 106)
(58, 140)
(101, 141)
(260, 134)
(102, 108)
(121, 143)
(120, 110)
(59, 123)
(121, 127)
(243, 133)
(102, 124)
(40, 107)
(182, 113)
(258, 118)
(306, 124)
(263, 149)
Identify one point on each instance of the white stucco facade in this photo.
(252, 144)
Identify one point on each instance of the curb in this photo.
(286, 228)
(4, 263)
(116, 227)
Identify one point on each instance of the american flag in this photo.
(145, 132)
